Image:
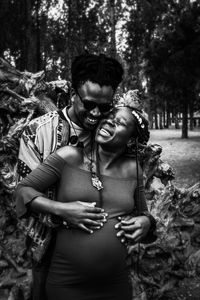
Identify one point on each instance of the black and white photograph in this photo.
(100, 150)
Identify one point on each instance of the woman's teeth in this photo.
(104, 132)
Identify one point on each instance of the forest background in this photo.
(158, 43)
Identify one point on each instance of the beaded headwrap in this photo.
(132, 100)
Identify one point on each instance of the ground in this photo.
(182, 154)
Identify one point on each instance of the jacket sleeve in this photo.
(29, 158)
(29, 155)
(41, 137)
(37, 182)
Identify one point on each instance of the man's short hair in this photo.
(99, 69)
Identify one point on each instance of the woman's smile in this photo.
(106, 131)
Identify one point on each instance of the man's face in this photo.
(91, 103)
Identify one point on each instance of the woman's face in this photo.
(116, 130)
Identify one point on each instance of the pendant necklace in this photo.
(74, 139)
(95, 180)
(95, 176)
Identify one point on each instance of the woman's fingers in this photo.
(136, 237)
(131, 228)
(131, 236)
(129, 221)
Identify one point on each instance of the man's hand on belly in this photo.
(83, 215)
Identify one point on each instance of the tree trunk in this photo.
(191, 110)
(156, 120)
(177, 126)
(160, 120)
(82, 37)
(21, 63)
(68, 51)
(31, 41)
(168, 119)
(149, 110)
(112, 20)
(173, 116)
(150, 121)
(176, 119)
(38, 54)
(185, 121)
(164, 118)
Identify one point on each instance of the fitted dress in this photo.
(86, 266)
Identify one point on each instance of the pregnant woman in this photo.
(91, 266)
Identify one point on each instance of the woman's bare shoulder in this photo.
(72, 155)
(131, 167)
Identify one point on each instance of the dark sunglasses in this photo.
(90, 105)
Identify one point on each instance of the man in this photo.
(95, 79)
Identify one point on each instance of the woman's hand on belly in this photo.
(133, 229)
(83, 215)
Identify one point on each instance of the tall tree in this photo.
(173, 57)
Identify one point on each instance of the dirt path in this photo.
(182, 154)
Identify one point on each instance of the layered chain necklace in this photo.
(92, 163)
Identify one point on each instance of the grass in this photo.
(182, 154)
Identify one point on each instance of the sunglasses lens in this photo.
(89, 105)
(105, 108)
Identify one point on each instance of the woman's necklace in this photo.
(94, 169)
(95, 175)
(96, 182)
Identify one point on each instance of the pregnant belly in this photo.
(91, 256)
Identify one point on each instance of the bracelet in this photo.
(151, 218)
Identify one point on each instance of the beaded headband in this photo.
(140, 121)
